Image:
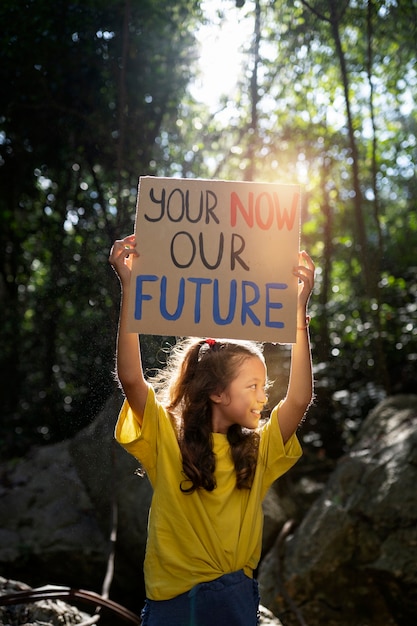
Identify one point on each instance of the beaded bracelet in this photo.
(307, 324)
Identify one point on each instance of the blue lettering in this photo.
(242, 298)
(163, 303)
(273, 305)
(140, 296)
(197, 303)
(232, 303)
(247, 304)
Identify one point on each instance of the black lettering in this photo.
(156, 201)
(235, 253)
(187, 204)
(181, 206)
(203, 256)
(174, 255)
(210, 209)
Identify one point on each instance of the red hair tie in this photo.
(210, 342)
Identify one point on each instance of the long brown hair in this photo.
(196, 369)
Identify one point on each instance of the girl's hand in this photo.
(121, 255)
(305, 275)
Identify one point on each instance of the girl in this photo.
(209, 461)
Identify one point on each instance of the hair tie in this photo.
(210, 342)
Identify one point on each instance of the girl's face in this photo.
(242, 401)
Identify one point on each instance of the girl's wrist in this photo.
(303, 324)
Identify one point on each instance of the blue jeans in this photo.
(231, 600)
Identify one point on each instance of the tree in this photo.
(90, 87)
(334, 93)
(98, 95)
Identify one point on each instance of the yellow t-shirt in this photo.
(194, 538)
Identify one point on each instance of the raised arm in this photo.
(300, 386)
(128, 359)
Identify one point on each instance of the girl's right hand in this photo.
(121, 255)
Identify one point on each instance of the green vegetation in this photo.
(95, 95)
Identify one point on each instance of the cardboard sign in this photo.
(216, 259)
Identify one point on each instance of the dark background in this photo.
(96, 94)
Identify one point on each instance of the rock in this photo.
(278, 507)
(353, 559)
(267, 618)
(56, 513)
(46, 515)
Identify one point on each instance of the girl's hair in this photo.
(196, 369)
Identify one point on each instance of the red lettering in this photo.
(283, 219)
(266, 207)
(235, 204)
(270, 211)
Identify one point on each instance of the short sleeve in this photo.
(140, 442)
(275, 457)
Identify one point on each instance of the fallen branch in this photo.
(53, 592)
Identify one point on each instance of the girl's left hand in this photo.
(305, 275)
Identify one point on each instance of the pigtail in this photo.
(195, 437)
(198, 459)
(244, 446)
(180, 384)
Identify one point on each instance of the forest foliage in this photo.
(96, 94)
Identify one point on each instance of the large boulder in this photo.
(57, 513)
(353, 559)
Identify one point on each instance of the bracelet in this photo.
(306, 325)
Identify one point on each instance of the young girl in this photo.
(209, 461)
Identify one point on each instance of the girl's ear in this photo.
(216, 397)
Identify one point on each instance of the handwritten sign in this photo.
(216, 259)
